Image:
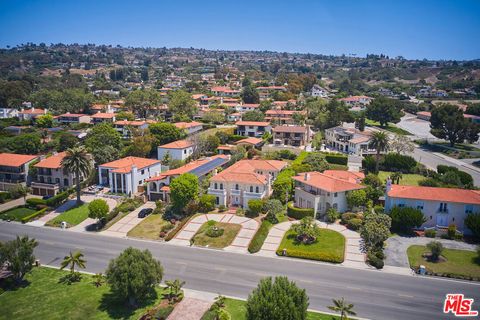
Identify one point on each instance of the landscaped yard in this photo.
(230, 232)
(390, 127)
(45, 298)
(72, 216)
(238, 310)
(407, 179)
(458, 262)
(16, 213)
(149, 228)
(329, 246)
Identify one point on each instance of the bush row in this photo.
(177, 229)
(320, 256)
(259, 237)
(336, 159)
(4, 196)
(298, 213)
(33, 215)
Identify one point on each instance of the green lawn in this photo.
(16, 213)
(390, 127)
(149, 228)
(230, 232)
(45, 298)
(459, 262)
(238, 310)
(72, 216)
(329, 246)
(407, 179)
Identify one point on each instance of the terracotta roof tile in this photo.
(180, 144)
(124, 165)
(435, 194)
(52, 162)
(15, 160)
(327, 182)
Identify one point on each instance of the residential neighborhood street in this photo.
(376, 294)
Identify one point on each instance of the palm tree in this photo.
(174, 286)
(76, 161)
(74, 259)
(379, 142)
(345, 309)
(396, 176)
(98, 279)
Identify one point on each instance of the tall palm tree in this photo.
(72, 260)
(379, 142)
(345, 309)
(76, 161)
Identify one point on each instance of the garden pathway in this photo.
(190, 309)
(239, 244)
(354, 257)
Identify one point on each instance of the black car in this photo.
(145, 212)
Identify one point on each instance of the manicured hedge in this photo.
(59, 198)
(298, 213)
(5, 196)
(33, 202)
(33, 215)
(320, 256)
(336, 159)
(177, 229)
(259, 237)
(398, 162)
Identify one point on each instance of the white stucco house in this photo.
(177, 150)
(252, 128)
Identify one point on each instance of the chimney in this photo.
(306, 176)
(389, 184)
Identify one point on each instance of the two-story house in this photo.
(356, 103)
(14, 170)
(319, 92)
(225, 91)
(267, 92)
(296, 136)
(128, 175)
(158, 186)
(349, 140)
(51, 178)
(125, 127)
(322, 191)
(243, 181)
(31, 113)
(189, 127)
(440, 206)
(100, 117)
(282, 116)
(252, 128)
(68, 118)
(177, 150)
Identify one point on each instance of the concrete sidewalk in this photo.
(15, 203)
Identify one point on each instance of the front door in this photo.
(442, 220)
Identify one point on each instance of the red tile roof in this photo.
(327, 182)
(130, 123)
(293, 129)
(124, 165)
(180, 144)
(435, 194)
(15, 160)
(253, 123)
(244, 171)
(252, 140)
(351, 176)
(186, 125)
(52, 162)
(32, 111)
(73, 115)
(103, 115)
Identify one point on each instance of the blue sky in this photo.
(414, 29)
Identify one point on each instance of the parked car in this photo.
(46, 197)
(145, 212)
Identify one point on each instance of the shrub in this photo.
(177, 228)
(332, 215)
(254, 207)
(222, 208)
(398, 162)
(374, 261)
(337, 159)
(33, 215)
(472, 221)
(430, 233)
(429, 182)
(98, 209)
(436, 249)
(320, 256)
(58, 199)
(348, 216)
(298, 213)
(214, 232)
(4, 196)
(206, 202)
(354, 224)
(368, 163)
(33, 202)
(444, 169)
(259, 237)
(452, 231)
(405, 219)
(372, 180)
(167, 227)
(356, 198)
(379, 209)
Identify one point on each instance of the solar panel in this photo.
(209, 166)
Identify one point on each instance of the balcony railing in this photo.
(45, 185)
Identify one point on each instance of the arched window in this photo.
(216, 185)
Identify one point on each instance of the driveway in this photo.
(15, 203)
(396, 249)
(127, 223)
(419, 128)
(239, 244)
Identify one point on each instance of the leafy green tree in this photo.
(124, 115)
(280, 299)
(255, 207)
(98, 209)
(379, 141)
(384, 110)
(142, 100)
(254, 115)
(375, 229)
(104, 142)
(396, 177)
(250, 95)
(214, 117)
(345, 309)
(134, 275)
(436, 249)
(72, 260)
(447, 122)
(272, 208)
(360, 123)
(184, 189)
(181, 103)
(206, 202)
(44, 121)
(17, 256)
(401, 144)
(165, 133)
(76, 161)
(141, 144)
(64, 100)
(357, 198)
(207, 144)
(472, 222)
(66, 141)
(307, 230)
(315, 162)
(404, 219)
(18, 191)
(29, 143)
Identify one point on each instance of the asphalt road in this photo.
(376, 295)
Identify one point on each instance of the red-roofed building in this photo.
(177, 150)
(322, 191)
(252, 128)
(31, 114)
(68, 118)
(266, 92)
(357, 102)
(103, 117)
(440, 206)
(128, 175)
(251, 142)
(296, 136)
(189, 127)
(14, 170)
(225, 92)
(245, 180)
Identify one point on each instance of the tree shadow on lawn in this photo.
(120, 309)
(10, 284)
(293, 238)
